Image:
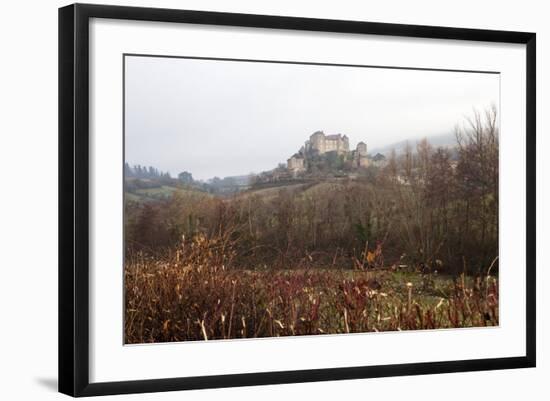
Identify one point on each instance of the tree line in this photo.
(431, 207)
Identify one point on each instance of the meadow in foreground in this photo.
(191, 295)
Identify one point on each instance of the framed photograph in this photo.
(251, 199)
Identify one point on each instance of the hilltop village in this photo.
(332, 147)
(323, 155)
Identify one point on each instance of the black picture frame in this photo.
(74, 200)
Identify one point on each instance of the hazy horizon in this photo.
(227, 118)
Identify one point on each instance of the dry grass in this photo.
(194, 294)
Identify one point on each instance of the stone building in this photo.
(361, 148)
(360, 157)
(379, 160)
(321, 143)
(296, 164)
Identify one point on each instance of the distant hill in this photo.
(445, 140)
(239, 180)
(161, 192)
(148, 184)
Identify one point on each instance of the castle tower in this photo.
(345, 143)
(361, 157)
(362, 149)
(317, 142)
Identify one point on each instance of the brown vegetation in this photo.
(329, 256)
(192, 295)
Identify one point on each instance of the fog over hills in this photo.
(444, 140)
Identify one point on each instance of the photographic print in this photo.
(272, 199)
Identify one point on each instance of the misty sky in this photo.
(223, 118)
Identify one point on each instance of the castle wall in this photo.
(332, 143)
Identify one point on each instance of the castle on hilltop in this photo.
(320, 144)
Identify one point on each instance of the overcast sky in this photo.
(223, 118)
